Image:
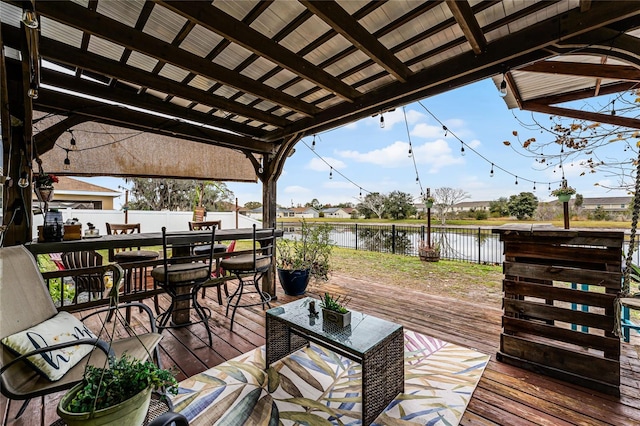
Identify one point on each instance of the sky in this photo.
(363, 157)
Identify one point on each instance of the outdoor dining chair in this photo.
(64, 344)
(249, 267)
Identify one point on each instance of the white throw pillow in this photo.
(62, 328)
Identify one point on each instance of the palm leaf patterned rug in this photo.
(314, 386)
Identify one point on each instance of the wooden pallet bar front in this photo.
(552, 322)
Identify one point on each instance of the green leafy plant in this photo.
(563, 191)
(45, 180)
(336, 304)
(312, 250)
(125, 377)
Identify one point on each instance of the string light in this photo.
(491, 172)
(74, 146)
(29, 19)
(331, 173)
(313, 143)
(417, 179)
(503, 86)
(549, 186)
(516, 180)
(410, 151)
(67, 162)
(23, 182)
(534, 186)
(446, 131)
(381, 121)
(613, 107)
(462, 148)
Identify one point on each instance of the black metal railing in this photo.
(468, 244)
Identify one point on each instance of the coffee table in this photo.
(376, 344)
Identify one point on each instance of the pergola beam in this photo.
(344, 24)
(465, 18)
(615, 120)
(224, 24)
(95, 24)
(618, 72)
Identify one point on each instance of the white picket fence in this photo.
(150, 221)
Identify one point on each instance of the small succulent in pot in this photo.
(336, 304)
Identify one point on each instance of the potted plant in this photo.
(119, 393)
(428, 202)
(563, 193)
(334, 310)
(304, 257)
(428, 253)
(43, 186)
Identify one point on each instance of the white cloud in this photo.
(316, 164)
(436, 155)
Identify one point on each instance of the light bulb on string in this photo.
(410, 151)
(313, 143)
(503, 86)
(360, 192)
(534, 186)
(549, 186)
(446, 131)
(381, 121)
(72, 142)
(462, 149)
(67, 162)
(331, 173)
(613, 107)
(417, 179)
(516, 180)
(491, 172)
(23, 182)
(29, 19)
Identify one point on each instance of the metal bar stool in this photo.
(182, 276)
(249, 268)
(135, 276)
(203, 249)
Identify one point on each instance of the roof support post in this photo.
(17, 114)
(272, 166)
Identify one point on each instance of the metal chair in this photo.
(201, 249)
(133, 275)
(249, 267)
(182, 275)
(22, 288)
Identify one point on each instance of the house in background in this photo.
(76, 194)
(335, 212)
(615, 206)
(466, 206)
(305, 212)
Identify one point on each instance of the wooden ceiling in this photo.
(252, 75)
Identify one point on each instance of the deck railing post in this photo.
(356, 236)
(393, 239)
(479, 246)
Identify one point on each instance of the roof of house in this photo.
(69, 184)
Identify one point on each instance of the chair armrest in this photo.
(152, 320)
(99, 343)
(169, 418)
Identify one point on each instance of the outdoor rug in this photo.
(314, 386)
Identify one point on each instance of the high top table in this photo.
(376, 344)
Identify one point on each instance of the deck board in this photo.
(505, 395)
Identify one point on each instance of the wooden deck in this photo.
(506, 395)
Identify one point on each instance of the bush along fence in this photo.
(463, 243)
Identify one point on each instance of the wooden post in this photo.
(428, 220)
(565, 206)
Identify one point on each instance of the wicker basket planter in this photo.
(429, 254)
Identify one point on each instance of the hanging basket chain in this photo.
(626, 277)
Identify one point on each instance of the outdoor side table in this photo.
(376, 344)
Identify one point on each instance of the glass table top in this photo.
(364, 332)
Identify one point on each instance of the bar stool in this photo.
(249, 268)
(137, 276)
(182, 278)
(203, 249)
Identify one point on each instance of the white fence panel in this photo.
(150, 221)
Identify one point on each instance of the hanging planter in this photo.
(44, 193)
(428, 202)
(563, 193)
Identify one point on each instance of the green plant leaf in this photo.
(305, 418)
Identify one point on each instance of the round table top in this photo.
(135, 255)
